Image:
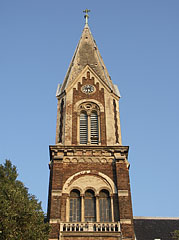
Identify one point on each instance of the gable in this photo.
(88, 73)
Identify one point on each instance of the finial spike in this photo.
(86, 16)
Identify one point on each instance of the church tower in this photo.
(89, 188)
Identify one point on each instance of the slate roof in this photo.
(87, 53)
(148, 228)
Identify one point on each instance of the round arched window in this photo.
(90, 206)
(105, 206)
(75, 206)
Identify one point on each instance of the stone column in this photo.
(67, 208)
(97, 209)
(82, 208)
(112, 208)
(89, 128)
(99, 132)
(78, 128)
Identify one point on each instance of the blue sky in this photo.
(139, 43)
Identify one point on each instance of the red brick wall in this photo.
(117, 172)
(97, 95)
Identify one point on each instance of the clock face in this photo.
(88, 88)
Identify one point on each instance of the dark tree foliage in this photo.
(21, 215)
(175, 235)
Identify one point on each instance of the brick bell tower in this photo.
(89, 188)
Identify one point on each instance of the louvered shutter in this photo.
(94, 128)
(83, 128)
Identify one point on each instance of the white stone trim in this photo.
(55, 220)
(91, 100)
(66, 186)
(56, 192)
(123, 193)
(125, 221)
(109, 180)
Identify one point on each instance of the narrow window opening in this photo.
(90, 206)
(75, 206)
(61, 121)
(115, 122)
(83, 128)
(94, 128)
(105, 206)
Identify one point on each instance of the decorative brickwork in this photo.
(98, 95)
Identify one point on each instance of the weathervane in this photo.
(86, 16)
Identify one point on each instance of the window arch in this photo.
(89, 122)
(105, 206)
(90, 206)
(75, 206)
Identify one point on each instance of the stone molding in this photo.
(85, 101)
(108, 153)
(125, 221)
(55, 220)
(88, 160)
(105, 178)
(123, 193)
(56, 193)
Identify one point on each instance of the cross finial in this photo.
(86, 16)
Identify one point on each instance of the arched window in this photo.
(94, 127)
(90, 206)
(75, 206)
(105, 206)
(83, 128)
(89, 122)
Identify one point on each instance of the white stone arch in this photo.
(90, 188)
(77, 104)
(76, 179)
(75, 188)
(104, 188)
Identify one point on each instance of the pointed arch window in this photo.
(90, 206)
(105, 206)
(83, 127)
(75, 206)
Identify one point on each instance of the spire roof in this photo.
(87, 53)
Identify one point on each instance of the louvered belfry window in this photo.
(90, 206)
(75, 206)
(94, 128)
(89, 121)
(105, 206)
(83, 128)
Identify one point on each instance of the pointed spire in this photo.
(87, 53)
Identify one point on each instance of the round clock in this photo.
(88, 88)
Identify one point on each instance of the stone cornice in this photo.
(118, 153)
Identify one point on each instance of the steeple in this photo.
(87, 53)
(89, 189)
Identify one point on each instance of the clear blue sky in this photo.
(139, 43)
